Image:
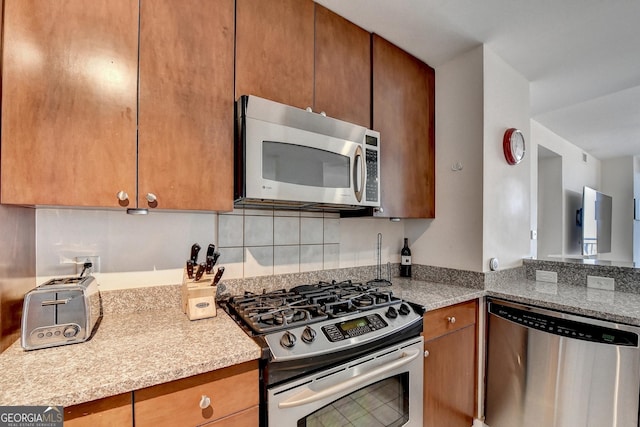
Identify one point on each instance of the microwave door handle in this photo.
(310, 396)
(358, 174)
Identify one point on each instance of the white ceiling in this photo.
(582, 57)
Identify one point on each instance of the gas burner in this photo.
(285, 316)
(306, 304)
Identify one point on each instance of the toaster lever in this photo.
(56, 302)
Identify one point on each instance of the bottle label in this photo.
(405, 260)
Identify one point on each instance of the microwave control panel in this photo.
(372, 189)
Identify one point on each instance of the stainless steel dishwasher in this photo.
(551, 369)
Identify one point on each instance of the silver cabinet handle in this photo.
(205, 402)
(122, 195)
(151, 197)
(426, 353)
(451, 319)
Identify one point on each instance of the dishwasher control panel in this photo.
(564, 327)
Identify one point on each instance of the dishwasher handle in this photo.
(564, 325)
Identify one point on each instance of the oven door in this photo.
(383, 388)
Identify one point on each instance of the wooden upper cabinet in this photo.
(274, 50)
(342, 68)
(185, 141)
(404, 114)
(69, 101)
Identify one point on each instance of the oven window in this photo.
(296, 164)
(383, 403)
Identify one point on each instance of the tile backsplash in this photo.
(138, 251)
(266, 242)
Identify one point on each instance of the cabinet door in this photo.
(449, 379)
(404, 114)
(69, 101)
(342, 68)
(231, 391)
(185, 142)
(274, 50)
(107, 412)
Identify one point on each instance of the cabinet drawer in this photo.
(448, 319)
(107, 412)
(247, 418)
(230, 390)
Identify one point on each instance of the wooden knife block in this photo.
(198, 298)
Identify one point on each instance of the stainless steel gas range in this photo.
(338, 353)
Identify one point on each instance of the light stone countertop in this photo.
(614, 306)
(129, 351)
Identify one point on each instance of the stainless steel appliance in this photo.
(335, 353)
(293, 158)
(60, 311)
(546, 368)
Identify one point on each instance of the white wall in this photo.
(617, 182)
(454, 238)
(506, 188)
(550, 207)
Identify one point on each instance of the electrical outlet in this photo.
(546, 276)
(93, 259)
(598, 282)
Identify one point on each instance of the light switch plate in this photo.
(598, 282)
(546, 276)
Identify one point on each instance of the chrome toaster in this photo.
(60, 311)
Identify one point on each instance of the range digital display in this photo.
(353, 324)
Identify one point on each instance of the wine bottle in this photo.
(405, 260)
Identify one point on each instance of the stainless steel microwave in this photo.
(294, 158)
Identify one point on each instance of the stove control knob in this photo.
(308, 335)
(288, 340)
(404, 309)
(392, 313)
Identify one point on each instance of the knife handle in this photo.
(210, 250)
(218, 276)
(190, 269)
(195, 249)
(209, 264)
(200, 271)
(216, 255)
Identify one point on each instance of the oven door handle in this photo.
(310, 396)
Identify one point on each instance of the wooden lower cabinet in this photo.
(232, 392)
(232, 395)
(450, 366)
(107, 412)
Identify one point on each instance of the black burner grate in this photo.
(306, 304)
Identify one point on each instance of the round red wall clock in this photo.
(513, 145)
